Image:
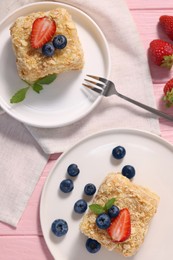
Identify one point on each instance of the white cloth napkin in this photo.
(21, 163)
(21, 159)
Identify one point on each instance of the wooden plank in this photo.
(24, 248)
(149, 4)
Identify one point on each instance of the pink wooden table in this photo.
(26, 242)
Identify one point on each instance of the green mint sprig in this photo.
(98, 209)
(20, 95)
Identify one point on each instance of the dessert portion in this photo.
(137, 206)
(46, 43)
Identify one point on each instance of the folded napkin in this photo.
(22, 160)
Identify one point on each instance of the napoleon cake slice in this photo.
(141, 203)
(31, 63)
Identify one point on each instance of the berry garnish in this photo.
(60, 41)
(128, 171)
(59, 227)
(118, 152)
(92, 245)
(89, 189)
(103, 221)
(66, 186)
(168, 93)
(43, 29)
(73, 170)
(161, 53)
(120, 228)
(113, 211)
(48, 49)
(166, 22)
(80, 206)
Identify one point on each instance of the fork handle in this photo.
(150, 109)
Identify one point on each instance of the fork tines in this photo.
(94, 85)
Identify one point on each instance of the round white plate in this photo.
(64, 101)
(152, 158)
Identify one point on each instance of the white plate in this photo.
(64, 101)
(152, 158)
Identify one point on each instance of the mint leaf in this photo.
(96, 208)
(47, 80)
(19, 95)
(109, 204)
(37, 87)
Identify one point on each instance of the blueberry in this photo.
(73, 170)
(80, 206)
(128, 171)
(89, 189)
(103, 221)
(92, 245)
(59, 227)
(48, 49)
(66, 185)
(113, 211)
(118, 152)
(59, 41)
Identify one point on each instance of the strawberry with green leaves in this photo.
(168, 93)
(166, 22)
(161, 53)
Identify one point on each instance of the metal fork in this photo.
(107, 88)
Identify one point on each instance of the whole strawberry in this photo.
(168, 93)
(161, 53)
(166, 22)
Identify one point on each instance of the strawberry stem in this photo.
(167, 61)
(168, 98)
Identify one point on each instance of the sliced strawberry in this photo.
(43, 30)
(120, 228)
